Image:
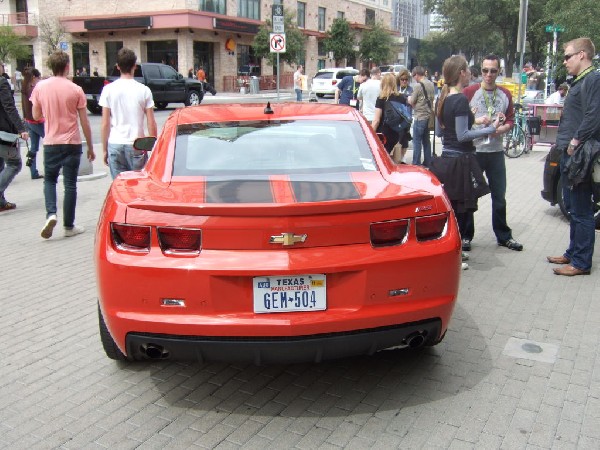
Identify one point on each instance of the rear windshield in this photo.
(324, 75)
(271, 148)
(344, 73)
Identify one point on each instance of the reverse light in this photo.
(431, 227)
(180, 241)
(393, 232)
(133, 238)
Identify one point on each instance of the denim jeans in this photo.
(36, 133)
(122, 157)
(10, 167)
(580, 206)
(421, 139)
(493, 166)
(67, 157)
(298, 95)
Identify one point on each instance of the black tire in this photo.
(161, 105)
(108, 343)
(560, 198)
(320, 95)
(194, 98)
(94, 109)
(514, 143)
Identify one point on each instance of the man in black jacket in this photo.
(578, 124)
(10, 155)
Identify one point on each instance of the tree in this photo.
(11, 45)
(576, 16)
(375, 45)
(340, 40)
(51, 33)
(294, 42)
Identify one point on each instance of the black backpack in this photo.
(397, 116)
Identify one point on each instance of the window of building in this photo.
(322, 12)
(369, 16)
(301, 17)
(163, 52)
(249, 9)
(215, 6)
(321, 48)
(112, 48)
(248, 62)
(341, 15)
(320, 64)
(81, 56)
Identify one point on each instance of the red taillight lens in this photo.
(334, 82)
(131, 237)
(431, 227)
(106, 82)
(393, 232)
(180, 240)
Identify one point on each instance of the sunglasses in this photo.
(492, 71)
(568, 56)
(403, 79)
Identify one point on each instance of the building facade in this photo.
(214, 34)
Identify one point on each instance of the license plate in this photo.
(90, 97)
(293, 293)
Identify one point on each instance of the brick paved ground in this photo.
(58, 390)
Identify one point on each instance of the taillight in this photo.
(134, 238)
(388, 233)
(334, 82)
(180, 241)
(430, 227)
(106, 82)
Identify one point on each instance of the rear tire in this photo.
(514, 143)
(161, 105)
(94, 109)
(108, 343)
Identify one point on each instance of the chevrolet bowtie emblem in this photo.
(288, 238)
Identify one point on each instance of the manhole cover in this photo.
(527, 349)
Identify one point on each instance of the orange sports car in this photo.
(281, 234)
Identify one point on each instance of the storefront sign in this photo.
(232, 25)
(121, 22)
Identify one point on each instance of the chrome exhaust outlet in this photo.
(415, 340)
(154, 351)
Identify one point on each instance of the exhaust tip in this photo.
(154, 351)
(416, 340)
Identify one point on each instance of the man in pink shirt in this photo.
(60, 102)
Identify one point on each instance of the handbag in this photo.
(431, 123)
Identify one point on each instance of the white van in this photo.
(325, 80)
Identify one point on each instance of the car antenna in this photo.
(268, 109)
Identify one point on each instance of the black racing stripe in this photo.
(320, 191)
(239, 191)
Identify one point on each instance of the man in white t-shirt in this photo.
(558, 98)
(368, 93)
(298, 83)
(125, 103)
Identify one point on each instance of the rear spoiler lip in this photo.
(281, 209)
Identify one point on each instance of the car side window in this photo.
(168, 72)
(152, 72)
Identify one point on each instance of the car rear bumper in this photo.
(283, 350)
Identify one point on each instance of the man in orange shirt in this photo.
(61, 102)
(201, 76)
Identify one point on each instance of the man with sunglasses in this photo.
(487, 98)
(579, 123)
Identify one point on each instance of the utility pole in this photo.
(521, 38)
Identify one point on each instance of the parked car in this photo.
(553, 183)
(167, 86)
(326, 80)
(249, 70)
(273, 235)
(531, 97)
(392, 68)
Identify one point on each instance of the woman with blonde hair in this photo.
(389, 92)
(457, 169)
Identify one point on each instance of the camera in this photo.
(30, 156)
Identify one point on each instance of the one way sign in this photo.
(277, 42)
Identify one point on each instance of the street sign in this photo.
(277, 42)
(553, 28)
(277, 18)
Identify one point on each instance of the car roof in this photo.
(255, 111)
(337, 69)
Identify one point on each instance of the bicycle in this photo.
(518, 140)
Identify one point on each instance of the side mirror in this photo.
(381, 137)
(145, 144)
(179, 76)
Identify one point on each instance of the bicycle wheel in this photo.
(514, 142)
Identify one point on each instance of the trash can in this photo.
(535, 125)
(254, 85)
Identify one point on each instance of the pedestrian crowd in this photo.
(468, 110)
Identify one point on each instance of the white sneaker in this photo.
(74, 231)
(48, 227)
(465, 266)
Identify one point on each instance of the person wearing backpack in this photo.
(387, 121)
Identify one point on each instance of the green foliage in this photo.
(295, 42)
(578, 17)
(11, 45)
(340, 40)
(375, 45)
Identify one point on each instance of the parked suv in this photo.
(325, 81)
(392, 68)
